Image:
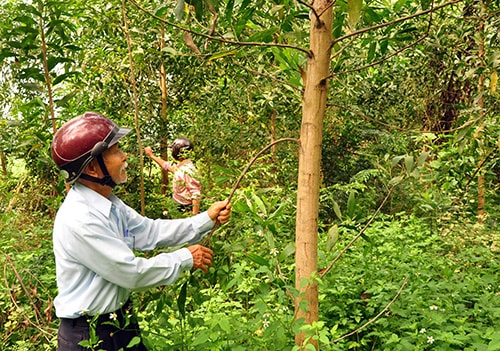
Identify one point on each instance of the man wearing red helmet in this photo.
(95, 235)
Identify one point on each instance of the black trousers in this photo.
(113, 332)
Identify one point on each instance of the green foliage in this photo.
(412, 122)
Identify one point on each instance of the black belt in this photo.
(119, 315)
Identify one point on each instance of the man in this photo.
(95, 234)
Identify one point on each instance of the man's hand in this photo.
(220, 211)
(202, 257)
(148, 151)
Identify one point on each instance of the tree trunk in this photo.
(481, 199)
(313, 111)
(163, 114)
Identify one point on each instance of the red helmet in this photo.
(82, 139)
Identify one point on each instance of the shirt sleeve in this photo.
(147, 234)
(167, 166)
(99, 249)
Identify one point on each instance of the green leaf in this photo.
(354, 11)
(62, 77)
(333, 237)
(222, 54)
(408, 163)
(422, 158)
(265, 36)
(395, 160)
(336, 209)
(367, 238)
(260, 204)
(287, 251)
(261, 261)
(163, 10)
(136, 340)
(396, 180)
(179, 10)
(181, 300)
(53, 61)
(351, 204)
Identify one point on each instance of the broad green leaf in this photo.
(135, 341)
(179, 10)
(408, 163)
(225, 325)
(258, 259)
(170, 50)
(164, 9)
(62, 77)
(333, 237)
(422, 158)
(336, 209)
(371, 51)
(287, 251)
(354, 11)
(229, 10)
(395, 160)
(260, 204)
(396, 180)
(265, 36)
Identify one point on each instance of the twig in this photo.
(136, 104)
(377, 316)
(28, 295)
(397, 20)
(382, 59)
(237, 184)
(46, 69)
(330, 266)
(220, 39)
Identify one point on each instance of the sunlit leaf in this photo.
(354, 11)
(333, 236)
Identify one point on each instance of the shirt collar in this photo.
(99, 202)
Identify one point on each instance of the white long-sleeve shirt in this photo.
(93, 240)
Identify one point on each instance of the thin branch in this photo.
(479, 167)
(266, 75)
(394, 53)
(46, 70)
(237, 184)
(136, 104)
(324, 271)
(218, 38)
(382, 59)
(339, 51)
(365, 117)
(311, 9)
(19, 279)
(397, 20)
(377, 316)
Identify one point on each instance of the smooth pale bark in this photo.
(313, 111)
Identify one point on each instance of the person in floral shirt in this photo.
(186, 188)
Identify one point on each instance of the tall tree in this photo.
(313, 112)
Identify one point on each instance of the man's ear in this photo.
(92, 168)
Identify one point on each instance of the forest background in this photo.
(407, 238)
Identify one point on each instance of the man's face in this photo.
(116, 163)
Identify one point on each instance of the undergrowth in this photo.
(448, 276)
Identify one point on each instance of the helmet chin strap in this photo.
(106, 180)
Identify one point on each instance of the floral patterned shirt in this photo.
(185, 185)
